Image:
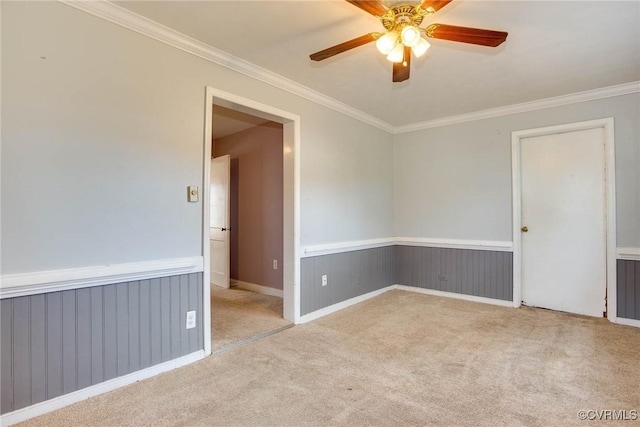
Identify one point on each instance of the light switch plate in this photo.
(192, 193)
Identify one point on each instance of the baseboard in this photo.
(627, 322)
(37, 282)
(266, 290)
(95, 390)
(454, 295)
(341, 305)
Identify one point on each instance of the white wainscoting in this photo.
(478, 245)
(339, 247)
(629, 254)
(22, 284)
(334, 248)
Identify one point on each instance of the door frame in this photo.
(607, 124)
(291, 195)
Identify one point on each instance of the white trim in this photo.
(557, 101)
(336, 248)
(479, 245)
(341, 305)
(608, 126)
(356, 300)
(206, 233)
(95, 390)
(261, 289)
(516, 219)
(465, 297)
(629, 254)
(142, 25)
(628, 322)
(21, 284)
(291, 291)
(291, 197)
(145, 26)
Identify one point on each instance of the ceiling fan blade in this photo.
(402, 69)
(434, 5)
(343, 47)
(373, 7)
(466, 34)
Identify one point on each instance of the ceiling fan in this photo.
(403, 34)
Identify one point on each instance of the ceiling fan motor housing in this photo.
(400, 16)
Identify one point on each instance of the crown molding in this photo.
(132, 21)
(557, 101)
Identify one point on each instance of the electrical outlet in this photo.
(324, 280)
(275, 264)
(191, 319)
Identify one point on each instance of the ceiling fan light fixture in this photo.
(410, 35)
(387, 42)
(403, 37)
(421, 47)
(397, 53)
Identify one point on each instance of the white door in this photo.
(563, 209)
(219, 220)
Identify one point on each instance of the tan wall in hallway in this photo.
(256, 203)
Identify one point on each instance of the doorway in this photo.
(287, 265)
(564, 218)
(246, 227)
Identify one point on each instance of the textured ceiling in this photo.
(554, 48)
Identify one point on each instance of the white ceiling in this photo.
(227, 121)
(554, 48)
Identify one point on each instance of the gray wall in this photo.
(455, 181)
(59, 342)
(101, 139)
(628, 289)
(486, 274)
(481, 273)
(349, 274)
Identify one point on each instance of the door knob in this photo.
(524, 229)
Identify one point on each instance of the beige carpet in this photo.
(399, 359)
(237, 315)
